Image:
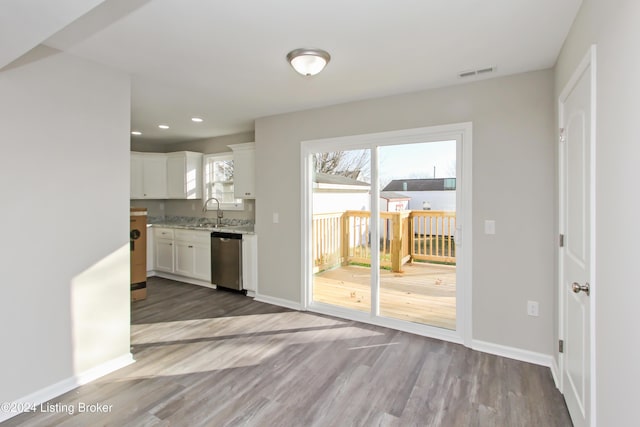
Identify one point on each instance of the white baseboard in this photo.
(513, 353)
(62, 387)
(104, 369)
(555, 373)
(486, 347)
(279, 302)
(182, 279)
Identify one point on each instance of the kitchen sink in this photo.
(205, 225)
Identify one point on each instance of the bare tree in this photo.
(224, 170)
(353, 164)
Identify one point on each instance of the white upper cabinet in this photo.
(137, 185)
(244, 173)
(166, 176)
(154, 176)
(148, 176)
(184, 175)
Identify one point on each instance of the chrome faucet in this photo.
(219, 213)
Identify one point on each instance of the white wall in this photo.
(613, 26)
(439, 200)
(513, 170)
(330, 202)
(64, 299)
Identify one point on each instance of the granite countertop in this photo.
(204, 224)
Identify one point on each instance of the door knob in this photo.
(577, 287)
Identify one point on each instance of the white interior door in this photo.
(576, 258)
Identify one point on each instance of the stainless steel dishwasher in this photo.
(226, 260)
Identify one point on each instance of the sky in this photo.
(417, 161)
(413, 161)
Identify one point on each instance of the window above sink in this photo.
(218, 182)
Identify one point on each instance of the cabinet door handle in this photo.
(190, 246)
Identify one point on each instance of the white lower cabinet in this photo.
(151, 251)
(250, 263)
(164, 255)
(164, 250)
(193, 259)
(188, 253)
(184, 258)
(202, 261)
(183, 252)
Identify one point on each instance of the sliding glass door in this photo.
(417, 220)
(341, 250)
(382, 229)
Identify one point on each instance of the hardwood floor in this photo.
(422, 293)
(214, 358)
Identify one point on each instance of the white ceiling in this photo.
(224, 60)
(26, 23)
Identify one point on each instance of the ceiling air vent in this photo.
(477, 72)
(467, 73)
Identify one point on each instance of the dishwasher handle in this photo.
(224, 236)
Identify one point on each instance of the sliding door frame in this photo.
(462, 134)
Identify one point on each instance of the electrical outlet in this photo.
(532, 308)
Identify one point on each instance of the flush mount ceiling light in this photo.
(308, 62)
(163, 126)
(136, 133)
(196, 119)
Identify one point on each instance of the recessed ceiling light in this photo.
(136, 133)
(196, 119)
(163, 126)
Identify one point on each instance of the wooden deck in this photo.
(422, 293)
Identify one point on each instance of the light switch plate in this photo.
(532, 308)
(276, 217)
(489, 226)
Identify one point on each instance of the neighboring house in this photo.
(391, 201)
(337, 193)
(437, 194)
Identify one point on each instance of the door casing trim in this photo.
(462, 131)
